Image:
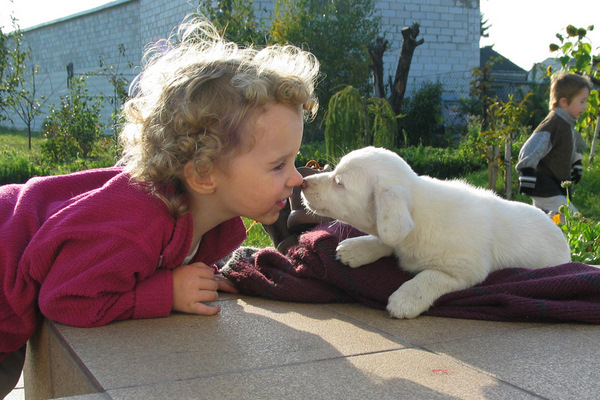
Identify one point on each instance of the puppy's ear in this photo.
(392, 208)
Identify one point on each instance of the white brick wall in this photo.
(82, 39)
(449, 27)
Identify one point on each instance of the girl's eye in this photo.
(279, 167)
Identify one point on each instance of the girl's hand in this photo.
(195, 284)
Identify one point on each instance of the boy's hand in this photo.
(527, 181)
(576, 171)
(195, 284)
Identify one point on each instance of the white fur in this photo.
(450, 234)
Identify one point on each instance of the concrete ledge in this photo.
(259, 349)
(52, 370)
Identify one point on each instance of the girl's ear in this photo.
(199, 183)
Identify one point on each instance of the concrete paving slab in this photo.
(555, 361)
(399, 374)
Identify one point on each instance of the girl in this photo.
(210, 136)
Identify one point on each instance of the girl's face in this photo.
(578, 105)
(257, 184)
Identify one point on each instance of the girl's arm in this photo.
(92, 283)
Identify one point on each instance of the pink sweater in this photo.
(89, 248)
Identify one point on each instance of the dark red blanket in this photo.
(310, 273)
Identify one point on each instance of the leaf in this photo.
(571, 31)
(585, 47)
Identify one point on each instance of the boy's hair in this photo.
(567, 85)
(192, 97)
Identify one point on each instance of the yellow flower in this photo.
(556, 219)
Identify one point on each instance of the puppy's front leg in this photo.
(416, 295)
(362, 250)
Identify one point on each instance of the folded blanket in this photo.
(310, 273)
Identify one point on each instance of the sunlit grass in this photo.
(257, 237)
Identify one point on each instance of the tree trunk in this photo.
(508, 167)
(492, 156)
(376, 51)
(409, 44)
(595, 139)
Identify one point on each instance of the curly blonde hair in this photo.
(192, 98)
(567, 85)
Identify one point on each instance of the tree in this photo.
(409, 44)
(18, 91)
(8, 77)
(235, 20)
(26, 104)
(398, 86)
(501, 122)
(376, 51)
(119, 83)
(337, 32)
(508, 123)
(484, 26)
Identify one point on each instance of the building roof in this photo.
(487, 52)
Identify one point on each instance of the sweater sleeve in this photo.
(534, 149)
(94, 282)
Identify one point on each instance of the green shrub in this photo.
(73, 128)
(441, 163)
(314, 151)
(18, 169)
(582, 235)
(423, 115)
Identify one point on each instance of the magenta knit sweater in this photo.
(90, 248)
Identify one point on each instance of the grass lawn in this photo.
(18, 161)
(17, 142)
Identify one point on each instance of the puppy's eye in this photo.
(338, 181)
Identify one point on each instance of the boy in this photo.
(549, 157)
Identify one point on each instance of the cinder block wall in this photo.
(450, 29)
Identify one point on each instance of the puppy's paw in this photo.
(350, 254)
(407, 303)
(361, 250)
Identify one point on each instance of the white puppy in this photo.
(448, 233)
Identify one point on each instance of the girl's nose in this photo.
(296, 179)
